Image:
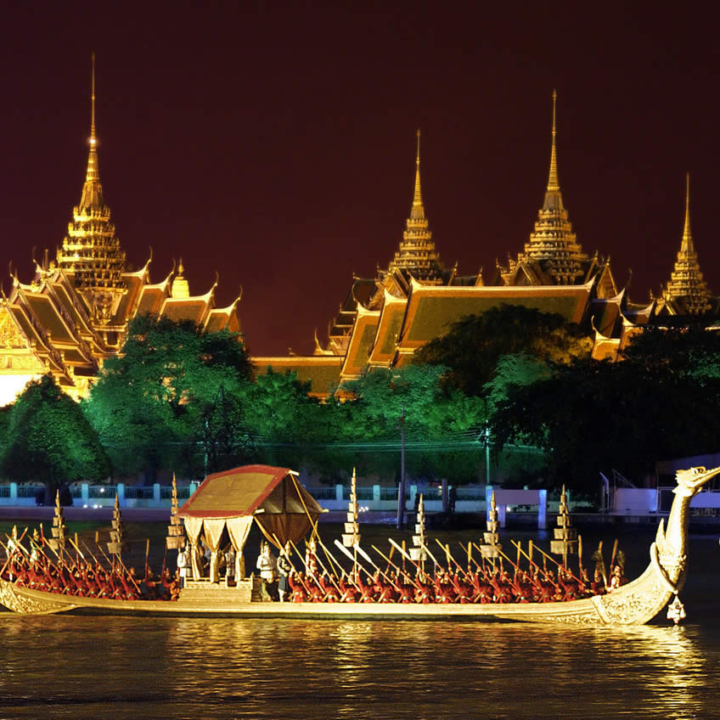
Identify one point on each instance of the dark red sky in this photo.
(275, 143)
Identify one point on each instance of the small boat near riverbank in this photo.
(273, 500)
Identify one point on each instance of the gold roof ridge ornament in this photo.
(180, 287)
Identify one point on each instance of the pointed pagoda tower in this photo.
(565, 536)
(59, 529)
(115, 546)
(351, 536)
(490, 548)
(552, 256)
(418, 552)
(417, 255)
(687, 293)
(91, 250)
(175, 539)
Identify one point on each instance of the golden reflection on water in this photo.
(177, 668)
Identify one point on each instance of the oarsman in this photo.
(299, 593)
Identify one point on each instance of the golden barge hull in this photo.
(636, 603)
(633, 604)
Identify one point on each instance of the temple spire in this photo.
(687, 241)
(91, 249)
(417, 255)
(418, 210)
(553, 183)
(687, 293)
(93, 169)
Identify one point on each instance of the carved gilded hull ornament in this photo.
(635, 603)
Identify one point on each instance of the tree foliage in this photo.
(474, 345)
(47, 439)
(660, 402)
(152, 402)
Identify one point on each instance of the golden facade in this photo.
(74, 313)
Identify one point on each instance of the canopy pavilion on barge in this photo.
(227, 503)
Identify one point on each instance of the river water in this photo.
(94, 667)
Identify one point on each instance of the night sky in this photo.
(274, 142)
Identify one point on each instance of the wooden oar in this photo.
(13, 551)
(395, 566)
(354, 559)
(449, 557)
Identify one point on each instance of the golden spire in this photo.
(553, 183)
(687, 241)
(91, 249)
(687, 293)
(93, 169)
(418, 211)
(417, 254)
(553, 251)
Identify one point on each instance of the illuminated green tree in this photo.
(48, 439)
(150, 405)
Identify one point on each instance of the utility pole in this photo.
(487, 455)
(401, 489)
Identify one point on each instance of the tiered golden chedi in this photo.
(91, 249)
(553, 255)
(687, 293)
(75, 312)
(417, 254)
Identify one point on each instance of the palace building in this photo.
(75, 311)
(384, 319)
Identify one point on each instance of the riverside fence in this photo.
(371, 498)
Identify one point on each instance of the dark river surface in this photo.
(103, 667)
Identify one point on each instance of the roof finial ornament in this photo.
(687, 233)
(417, 197)
(553, 183)
(93, 169)
(93, 139)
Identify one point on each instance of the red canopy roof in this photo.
(244, 490)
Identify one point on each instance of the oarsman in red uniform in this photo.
(297, 590)
(463, 590)
(367, 593)
(425, 592)
(404, 589)
(522, 588)
(348, 592)
(330, 593)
